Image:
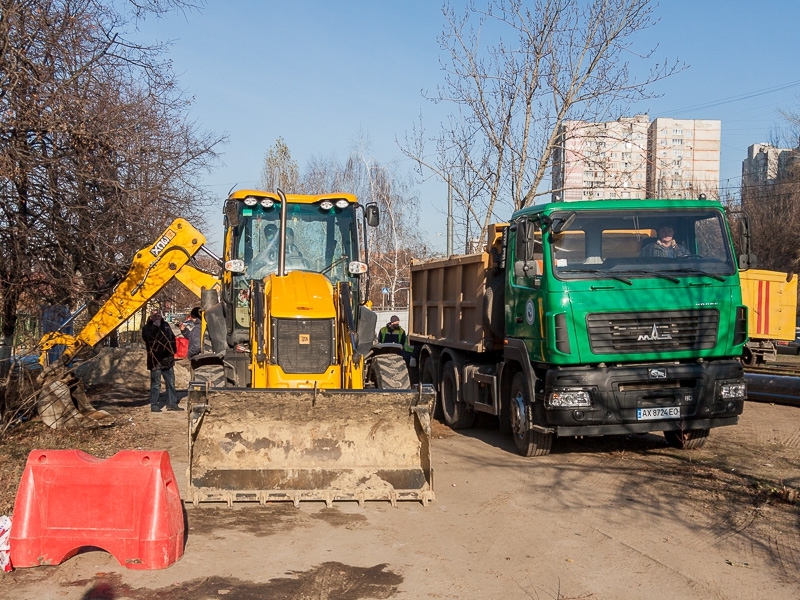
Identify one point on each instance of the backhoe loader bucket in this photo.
(297, 445)
(62, 402)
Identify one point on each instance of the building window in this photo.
(677, 142)
(677, 131)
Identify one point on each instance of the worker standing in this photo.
(392, 332)
(160, 343)
(192, 331)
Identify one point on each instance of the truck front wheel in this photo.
(455, 411)
(529, 442)
(691, 439)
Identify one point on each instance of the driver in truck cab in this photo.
(665, 245)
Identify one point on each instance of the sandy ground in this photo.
(604, 518)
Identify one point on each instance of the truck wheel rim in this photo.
(518, 415)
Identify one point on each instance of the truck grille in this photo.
(303, 345)
(661, 331)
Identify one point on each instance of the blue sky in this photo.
(319, 73)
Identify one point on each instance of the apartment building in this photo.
(684, 158)
(769, 171)
(766, 164)
(601, 160)
(634, 158)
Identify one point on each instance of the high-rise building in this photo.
(634, 158)
(768, 172)
(601, 160)
(765, 164)
(683, 158)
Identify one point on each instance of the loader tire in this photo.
(214, 374)
(389, 372)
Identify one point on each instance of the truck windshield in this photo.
(654, 243)
(316, 240)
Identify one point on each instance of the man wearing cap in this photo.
(160, 343)
(392, 333)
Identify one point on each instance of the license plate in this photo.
(663, 412)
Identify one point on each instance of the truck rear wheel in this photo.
(429, 376)
(529, 442)
(454, 410)
(691, 439)
(389, 372)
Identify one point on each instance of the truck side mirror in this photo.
(372, 214)
(524, 268)
(747, 260)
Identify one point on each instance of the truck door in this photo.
(525, 282)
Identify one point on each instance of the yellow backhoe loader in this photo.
(291, 398)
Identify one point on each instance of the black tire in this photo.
(529, 442)
(455, 411)
(389, 372)
(213, 373)
(504, 418)
(691, 439)
(429, 376)
(494, 307)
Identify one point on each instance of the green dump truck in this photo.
(573, 323)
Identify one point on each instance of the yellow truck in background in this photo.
(771, 300)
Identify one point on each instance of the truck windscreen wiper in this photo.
(653, 274)
(699, 272)
(598, 272)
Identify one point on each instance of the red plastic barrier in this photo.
(128, 505)
(182, 347)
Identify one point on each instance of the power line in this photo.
(739, 98)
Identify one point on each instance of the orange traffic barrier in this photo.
(128, 505)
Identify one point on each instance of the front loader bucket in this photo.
(296, 445)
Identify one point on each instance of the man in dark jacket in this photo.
(392, 333)
(160, 343)
(192, 331)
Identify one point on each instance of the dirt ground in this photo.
(602, 518)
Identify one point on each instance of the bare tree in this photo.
(96, 152)
(550, 61)
(280, 169)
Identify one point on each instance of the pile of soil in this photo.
(126, 367)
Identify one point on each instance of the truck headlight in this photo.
(569, 399)
(728, 391)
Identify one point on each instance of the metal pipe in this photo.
(282, 236)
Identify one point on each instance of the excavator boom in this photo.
(62, 401)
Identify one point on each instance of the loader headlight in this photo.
(342, 203)
(357, 268)
(728, 391)
(326, 205)
(267, 202)
(250, 201)
(569, 399)
(235, 266)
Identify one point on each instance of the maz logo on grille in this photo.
(657, 373)
(654, 335)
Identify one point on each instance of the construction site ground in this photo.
(610, 518)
